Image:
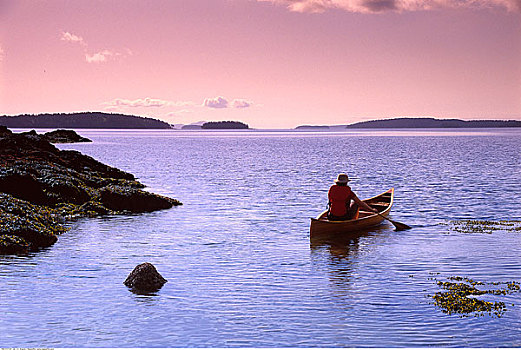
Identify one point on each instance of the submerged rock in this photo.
(145, 278)
(41, 186)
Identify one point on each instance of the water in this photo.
(237, 255)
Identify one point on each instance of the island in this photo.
(398, 123)
(191, 127)
(224, 125)
(41, 187)
(82, 120)
(312, 127)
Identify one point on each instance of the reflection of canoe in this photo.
(383, 202)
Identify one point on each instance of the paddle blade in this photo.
(399, 226)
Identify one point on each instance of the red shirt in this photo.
(339, 197)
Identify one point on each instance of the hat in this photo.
(342, 179)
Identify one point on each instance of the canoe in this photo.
(382, 202)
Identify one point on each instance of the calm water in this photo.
(237, 255)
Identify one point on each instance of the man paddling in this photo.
(343, 203)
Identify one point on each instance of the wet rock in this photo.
(4, 131)
(23, 186)
(64, 136)
(119, 198)
(36, 226)
(25, 144)
(11, 244)
(32, 134)
(93, 208)
(145, 277)
(90, 167)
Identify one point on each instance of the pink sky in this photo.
(269, 63)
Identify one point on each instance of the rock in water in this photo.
(145, 277)
(64, 136)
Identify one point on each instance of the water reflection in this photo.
(340, 247)
(141, 294)
(145, 298)
(340, 255)
(346, 245)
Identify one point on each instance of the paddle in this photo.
(397, 225)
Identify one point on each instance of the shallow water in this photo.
(240, 267)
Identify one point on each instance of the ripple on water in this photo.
(241, 269)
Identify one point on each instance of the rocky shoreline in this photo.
(41, 187)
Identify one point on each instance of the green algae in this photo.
(484, 226)
(461, 296)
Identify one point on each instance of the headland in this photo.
(41, 187)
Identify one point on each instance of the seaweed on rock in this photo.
(484, 226)
(462, 297)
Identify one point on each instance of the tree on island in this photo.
(225, 125)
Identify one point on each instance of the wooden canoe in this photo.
(383, 203)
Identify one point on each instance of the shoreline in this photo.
(41, 187)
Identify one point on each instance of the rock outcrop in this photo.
(145, 278)
(64, 136)
(41, 186)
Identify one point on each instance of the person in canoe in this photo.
(343, 203)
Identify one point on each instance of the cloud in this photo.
(2, 54)
(240, 103)
(216, 102)
(140, 102)
(176, 107)
(96, 57)
(101, 56)
(146, 102)
(378, 6)
(67, 36)
(222, 102)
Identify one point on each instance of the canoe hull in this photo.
(383, 202)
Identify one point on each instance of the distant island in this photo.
(309, 127)
(191, 127)
(224, 125)
(82, 120)
(397, 123)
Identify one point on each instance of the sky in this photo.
(268, 63)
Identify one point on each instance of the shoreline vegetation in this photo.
(418, 123)
(42, 187)
(82, 120)
(101, 120)
(222, 125)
